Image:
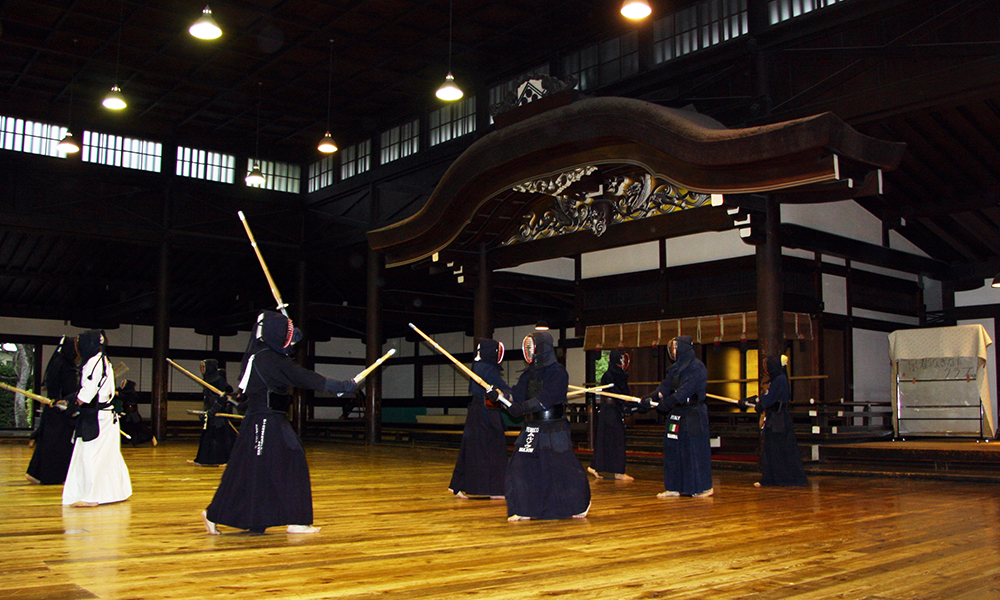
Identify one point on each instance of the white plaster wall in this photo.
(834, 294)
(983, 296)
(704, 247)
(846, 218)
(342, 348)
(558, 268)
(397, 380)
(932, 295)
(629, 259)
(872, 371)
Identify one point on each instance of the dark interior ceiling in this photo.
(83, 243)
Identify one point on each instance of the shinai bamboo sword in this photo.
(460, 365)
(197, 379)
(43, 400)
(360, 376)
(263, 265)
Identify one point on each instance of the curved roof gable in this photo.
(686, 149)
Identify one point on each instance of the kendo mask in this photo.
(620, 358)
(90, 343)
(490, 351)
(539, 349)
(679, 347)
(277, 331)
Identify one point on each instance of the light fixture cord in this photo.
(71, 80)
(451, 9)
(121, 25)
(329, 88)
(257, 145)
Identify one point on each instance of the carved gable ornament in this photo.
(581, 200)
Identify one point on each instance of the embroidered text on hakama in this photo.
(529, 439)
(260, 436)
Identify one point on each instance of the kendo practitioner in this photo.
(482, 457)
(609, 439)
(131, 421)
(687, 448)
(218, 435)
(266, 482)
(544, 477)
(54, 435)
(97, 473)
(780, 461)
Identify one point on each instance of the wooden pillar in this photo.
(299, 399)
(483, 318)
(161, 344)
(373, 348)
(770, 288)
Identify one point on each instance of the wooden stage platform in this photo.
(391, 530)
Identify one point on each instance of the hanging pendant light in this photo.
(115, 100)
(327, 145)
(255, 176)
(636, 9)
(448, 90)
(205, 28)
(69, 145)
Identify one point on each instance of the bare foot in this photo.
(303, 529)
(756, 484)
(209, 526)
(191, 462)
(624, 477)
(82, 504)
(668, 494)
(32, 479)
(154, 441)
(513, 518)
(497, 498)
(584, 513)
(461, 494)
(704, 494)
(594, 472)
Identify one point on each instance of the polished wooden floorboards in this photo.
(391, 530)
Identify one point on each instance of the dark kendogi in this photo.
(544, 477)
(131, 421)
(609, 439)
(266, 482)
(482, 457)
(780, 461)
(687, 448)
(54, 435)
(218, 434)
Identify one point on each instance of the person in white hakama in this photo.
(97, 472)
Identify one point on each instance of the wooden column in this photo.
(373, 348)
(161, 344)
(483, 317)
(770, 288)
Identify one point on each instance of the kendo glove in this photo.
(340, 388)
(516, 409)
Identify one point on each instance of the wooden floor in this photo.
(391, 530)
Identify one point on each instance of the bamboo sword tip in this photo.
(240, 213)
(412, 326)
(390, 352)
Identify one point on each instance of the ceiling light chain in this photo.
(327, 145)
(255, 176)
(114, 99)
(449, 90)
